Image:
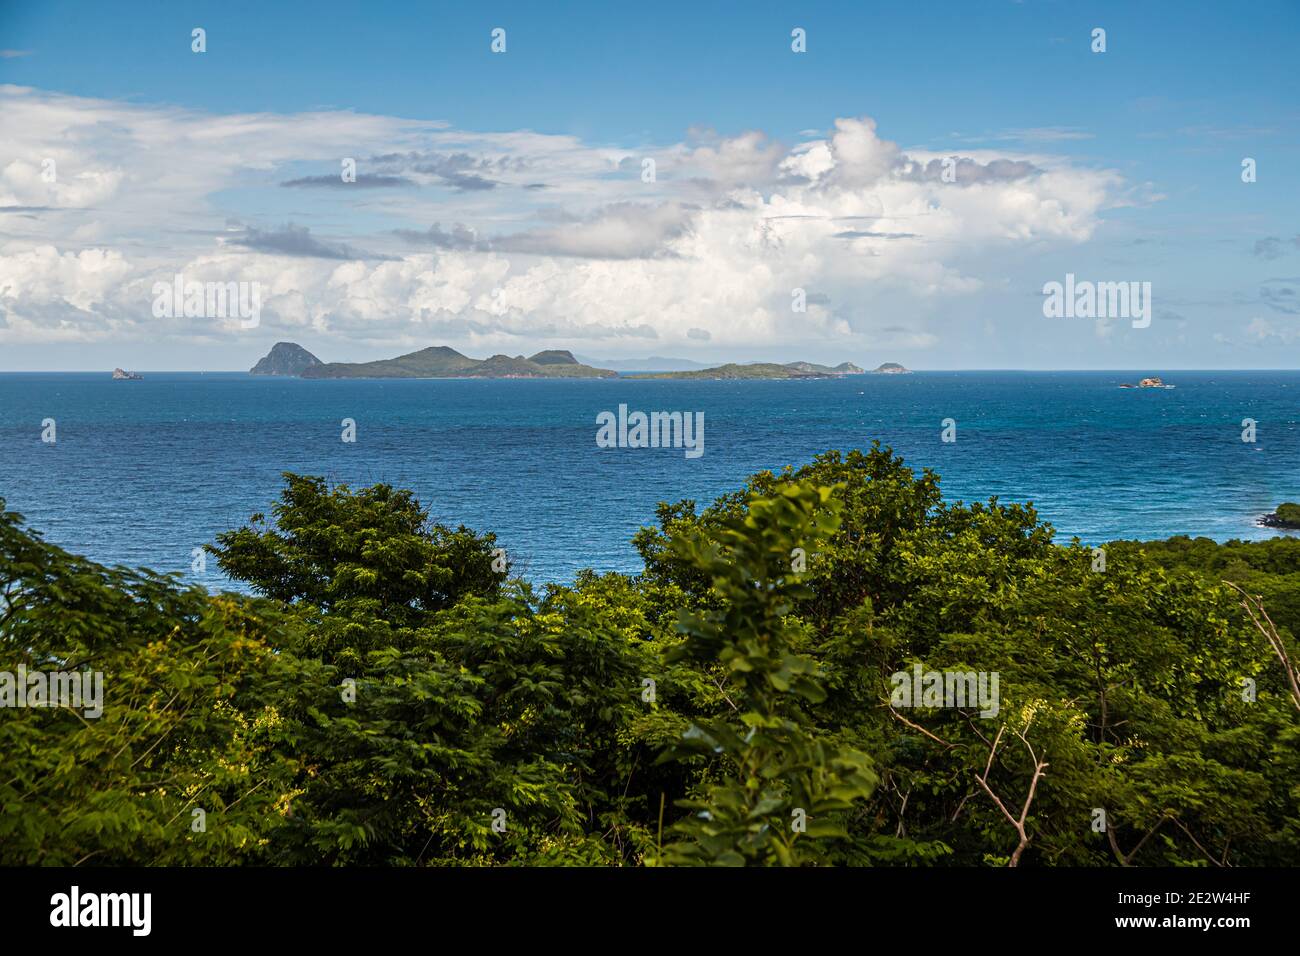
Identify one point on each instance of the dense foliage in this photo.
(393, 696)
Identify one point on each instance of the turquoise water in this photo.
(143, 472)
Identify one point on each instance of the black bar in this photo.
(926, 907)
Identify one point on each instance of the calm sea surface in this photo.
(143, 472)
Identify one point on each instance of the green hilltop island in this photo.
(438, 361)
(761, 370)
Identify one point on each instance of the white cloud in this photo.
(568, 243)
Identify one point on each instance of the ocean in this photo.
(141, 473)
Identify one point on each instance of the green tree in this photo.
(189, 719)
(777, 788)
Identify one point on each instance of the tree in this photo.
(777, 788)
(183, 764)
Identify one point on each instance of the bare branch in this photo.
(1040, 766)
(1255, 608)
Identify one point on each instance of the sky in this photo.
(669, 179)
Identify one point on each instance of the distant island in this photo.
(761, 370)
(441, 361)
(438, 361)
(121, 375)
(1151, 382)
(891, 368)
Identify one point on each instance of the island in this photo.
(891, 368)
(121, 375)
(437, 361)
(762, 370)
(1152, 382)
(1287, 516)
(285, 358)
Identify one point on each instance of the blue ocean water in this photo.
(144, 472)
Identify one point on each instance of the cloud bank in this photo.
(496, 239)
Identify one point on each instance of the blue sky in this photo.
(1125, 167)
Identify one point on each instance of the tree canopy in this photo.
(389, 693)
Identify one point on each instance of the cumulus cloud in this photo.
(510, 236)
(50, 280)
(720, 163)
(861, 158)
(618, 231)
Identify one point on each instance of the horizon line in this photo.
(236, 371)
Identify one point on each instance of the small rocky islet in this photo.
(1151, 382)
(1286, 517)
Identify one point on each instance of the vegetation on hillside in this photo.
(443, 362)
(393, 696)
(760, 370)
